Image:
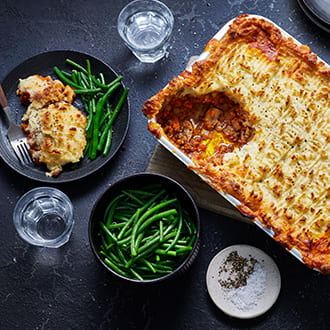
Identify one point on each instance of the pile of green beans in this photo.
(95, 94)
(145, 233)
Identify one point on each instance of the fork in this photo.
(15, 134)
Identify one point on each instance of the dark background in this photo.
(65, 288)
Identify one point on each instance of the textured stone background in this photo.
(66, 288)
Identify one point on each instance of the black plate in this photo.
(43, 64)
(320, 8)
(318, 11)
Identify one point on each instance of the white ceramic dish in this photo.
(187, 161)
(256, 303)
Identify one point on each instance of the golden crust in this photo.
(43, 91)
(55, 128)
(281, 175)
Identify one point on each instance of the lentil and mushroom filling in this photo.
(204, 126)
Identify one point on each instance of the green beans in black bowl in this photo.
(145, 228)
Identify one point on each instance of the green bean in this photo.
(85, 81)
(87, 90)
(161, 272)
(148, 244)
(161, 232)
(86, 148)
(104, 242)
(179, 228)
(121, 217)
(138, 240)
(112, 256)
(136, 274)
(107, 143)
(138, 227)
(98, 112)
(116, 225)
(192, 223)
(104, 135)
(146, 205)
(109, 124)
(129, 204)
(90, 122)
(102, 78)
(141, 192)
(107, 115)
(154, 239)
(82, 69)
(150, 237)
(111, 213)
(121, 255)
(184, 249)
(149, 234)
(119, 105)
(76, 65)
(109, 207)
(149, 265)
(89, 72)
(60, 74)
(171, 226)
(176, 246)
(93, 89)
(128, 223)
(155, 217)
(107, 231)
(132, 196)
(160, 266)
(73, 76)
(155, 209)
(67, 74)
(115, 268)
(187, 225)
(118, 79)
(164, 252)
(192, 240)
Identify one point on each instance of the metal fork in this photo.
(15, 134)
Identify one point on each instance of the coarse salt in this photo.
(246, 297)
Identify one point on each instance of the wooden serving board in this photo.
(163, 162)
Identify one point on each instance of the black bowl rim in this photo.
(188, 257)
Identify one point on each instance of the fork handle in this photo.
(3, 99)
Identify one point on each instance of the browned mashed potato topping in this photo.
(55, 128)
(254, 117)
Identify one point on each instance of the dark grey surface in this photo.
(66, 288)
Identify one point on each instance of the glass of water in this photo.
(146, 26)
(44, 217)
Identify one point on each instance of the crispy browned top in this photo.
(281, 174)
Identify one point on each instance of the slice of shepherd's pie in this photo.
(55, 128)
(254, 119)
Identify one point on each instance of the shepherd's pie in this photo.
(55, 128)
(254, 119)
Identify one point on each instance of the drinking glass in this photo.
(44, 217)
(146, 26)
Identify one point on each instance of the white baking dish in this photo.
(185, 160)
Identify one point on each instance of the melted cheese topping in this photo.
(55, 128)
(281, 175)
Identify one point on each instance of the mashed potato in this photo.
(55, 128)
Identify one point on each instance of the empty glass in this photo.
(146, 26)
(44, 217)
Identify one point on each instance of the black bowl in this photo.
(134, 182)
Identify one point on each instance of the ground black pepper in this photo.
(237, 270)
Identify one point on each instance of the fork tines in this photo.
(22, 151)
